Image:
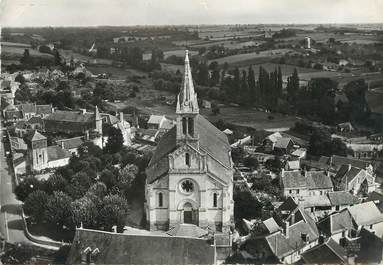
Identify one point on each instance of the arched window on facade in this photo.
(160, 199)
(184, 125)
(191, 126)
(187, 159)
(215, 199)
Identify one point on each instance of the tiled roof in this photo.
(315, 201)
(274, 137)
(13, 114)
(293, 179)
(288, 205)
(187, 230)
(282, 142)
(71, 143)
(43, 109)
(115, 248)
(27, 108)
(71, 116)
(271, 225)
(155, 119)
(336, 222)
(327, 253)
(348, 174)
(35, 120)
(34, 135)
(318, 180)
(211, 140)
(342, 198)
(366, 213)
(56, 153)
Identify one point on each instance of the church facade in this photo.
(190, 176)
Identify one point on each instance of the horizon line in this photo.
(203, 24)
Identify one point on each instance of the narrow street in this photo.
(11, 226)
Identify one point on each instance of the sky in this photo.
(22, 13)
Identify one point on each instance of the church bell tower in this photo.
(187, 107)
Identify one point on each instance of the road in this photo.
(11, 224)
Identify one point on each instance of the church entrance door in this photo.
(190, 214)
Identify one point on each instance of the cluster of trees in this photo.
(93, 189)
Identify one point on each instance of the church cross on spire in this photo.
(187, 98)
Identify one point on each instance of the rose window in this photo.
(187, 186)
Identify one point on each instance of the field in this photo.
(12, 52)
(375, 100)
(68, 54)
(240, 58)
(178, 52)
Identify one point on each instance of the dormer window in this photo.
(160, 199)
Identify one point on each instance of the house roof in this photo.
(70, 116)
(338, 198)
(347, 173)
(293, 179)
(271, 225)
(282, 142)
(318, 180)
(116, 248)
(336, 222)
(56, 153)
(299, 152)
(187, 230)
(366, 213)
(293, 164)
(35, 120)
(156, 119)
(27, 108)
(34, 135)
(43, 109)
(71, 143)
(274, 137)
(211, 141)
(288, 205)
(327, 253)
(315, 200)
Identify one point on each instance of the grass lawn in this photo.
(375, 100)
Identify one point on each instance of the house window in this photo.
(215, 199)
(290, 191)
(191, 126)
(298, 191)
(187, 159)
(184, 126)
(160, 199)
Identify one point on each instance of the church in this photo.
(190, 176)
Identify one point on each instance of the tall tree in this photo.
(252, 85)
(113, 212)
(115, 141)
(58, 211)
(35, 205)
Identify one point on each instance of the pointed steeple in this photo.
(187, 98)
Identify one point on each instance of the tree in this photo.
(56, 182)
(292, 85)
(108, 178)
(85, 212)
(98, 189)
(113, 212)
(35, 205)
(203, 75)
(252, 85)
(79, 185)
(252, 162)
(20, 78)
(26, 59)
(356, 94)
(58, 210)
(115, 141)
(27, 186)
(126, 177)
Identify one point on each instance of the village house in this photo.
(328, 252)
(366, 151)
(190, 175)
(310, 183)
(355, 180)
(285, 245)
(71, 144)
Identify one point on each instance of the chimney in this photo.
(121, 117)
(87, 135)
(349, 167)
(83, 111)
(321, 239)
(62, 145)
(286, 228)
(114, 228)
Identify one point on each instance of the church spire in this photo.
(187, 98)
